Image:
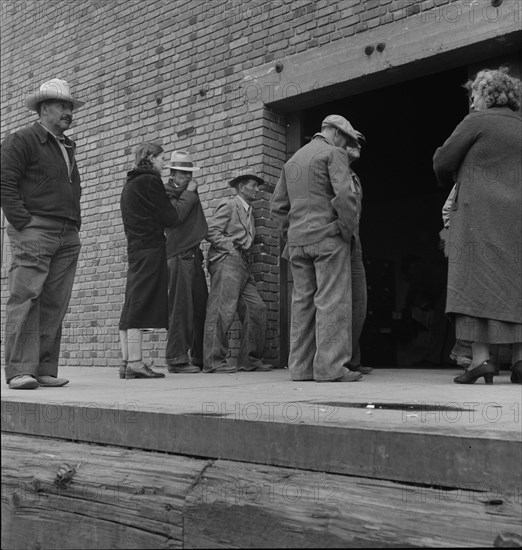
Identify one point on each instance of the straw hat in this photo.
(52, 89)
(181, 160)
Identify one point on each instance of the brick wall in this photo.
(170, 71)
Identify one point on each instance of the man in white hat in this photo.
(40, 186)
(315, 207)
(188, 291)
(231, 232)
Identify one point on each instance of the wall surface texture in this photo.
(172, 71)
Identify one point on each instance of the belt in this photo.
(190, 252)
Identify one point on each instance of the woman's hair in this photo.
(145, 151)
(497, 88)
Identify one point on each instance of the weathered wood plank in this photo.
(127, 498)
(241, 506)
(341, 68)
(434, 456)
(117, 498)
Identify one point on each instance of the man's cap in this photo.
(245, 176)
(339, 122)
(182, 160)
(52, 89)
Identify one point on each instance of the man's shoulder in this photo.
(312, 149)
(23, 133)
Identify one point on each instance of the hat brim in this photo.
(184, 168)
(33, 100)
(236, 180)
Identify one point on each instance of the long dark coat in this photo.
(483, 156)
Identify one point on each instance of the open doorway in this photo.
(406, 270)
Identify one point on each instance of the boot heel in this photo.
(488, 378)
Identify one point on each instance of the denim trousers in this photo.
(359, 301)
(321, 323)
(44, 258)
(188, 296)
(233, 289)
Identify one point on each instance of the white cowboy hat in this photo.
(181, 160)
(52, 89)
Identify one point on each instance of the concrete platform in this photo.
(412, 426)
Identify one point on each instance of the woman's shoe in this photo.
(516, 373)
(487, 370)
(139, 369)
(123, 368)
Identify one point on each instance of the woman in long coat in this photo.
(483, 158)
(146, 211)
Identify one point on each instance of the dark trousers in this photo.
(188, 296)
(233, 289)
(359, 302)
(44, 258)
(321, 325)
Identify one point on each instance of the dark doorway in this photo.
(406, 270)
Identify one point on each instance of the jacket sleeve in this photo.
(183, 204)
(217, 226)
(169, 214)
(448, 205)
(280, 205)
(449, 157)
(15, 157)
(344, 201)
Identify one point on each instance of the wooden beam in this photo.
(427, 456)
(430, 41)
(128, 498)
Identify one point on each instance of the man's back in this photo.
(313, 193)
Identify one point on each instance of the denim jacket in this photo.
(35, 179)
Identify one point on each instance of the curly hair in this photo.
(144, 151)
(497, 88)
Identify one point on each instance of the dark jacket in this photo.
(146, 209)
(35, 179)
(482, 156)
(189, 232)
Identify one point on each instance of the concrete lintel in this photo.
(434, 40)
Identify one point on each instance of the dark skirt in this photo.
(146, 300)
(488, 331)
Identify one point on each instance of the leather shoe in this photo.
(225, 369)
(183, 368)
(361, 369)
(262, 367)
(139, 369)
(487, 369)
(51, 381)
(348, 377)
(516, 373)
(23, 382)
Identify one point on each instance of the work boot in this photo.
(47, 381)
(23, 382)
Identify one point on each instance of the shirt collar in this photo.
(321, 135)
(245, 204)
(64, 140)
